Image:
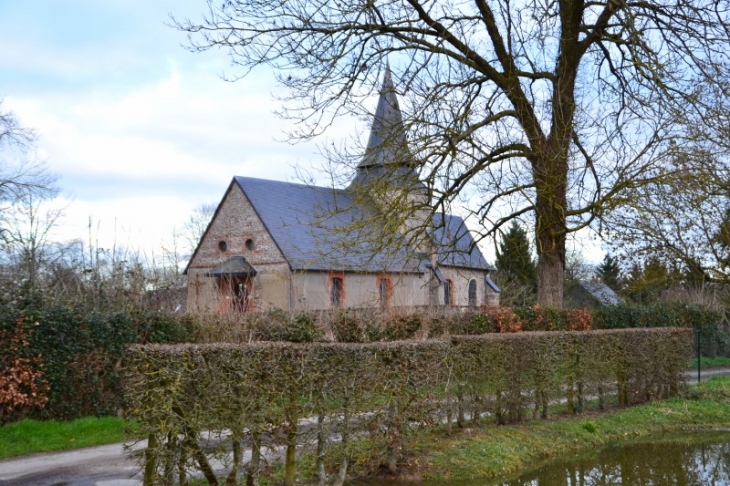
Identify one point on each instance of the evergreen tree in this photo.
(609, 272)
(514, 257)
(646, 285)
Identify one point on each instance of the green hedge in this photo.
(706, 323)
(380, 389)
(79, 351)
(80, 354)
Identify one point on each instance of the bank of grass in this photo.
(477, 453)
(32, 436)
(498, 452)
(705, 362)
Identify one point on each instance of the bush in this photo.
(79, 353)
(22, 384)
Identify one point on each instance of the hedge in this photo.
(70, 356)
(261, 392)
(77, 355)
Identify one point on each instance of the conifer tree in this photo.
(609, 272)
(514, 257)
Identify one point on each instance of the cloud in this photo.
(145, 155)
(139, 130)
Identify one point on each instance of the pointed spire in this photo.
(387, 144)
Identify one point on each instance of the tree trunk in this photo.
(150, 463)
(252, 478)
(290, 461)
(232, 479)
(321, 447)
(550, 276)
(551, 176)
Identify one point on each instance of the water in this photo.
(687, 460)
(696, 459)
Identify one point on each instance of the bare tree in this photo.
(26, 238)
(194, 228)
(19, 175)
(683, 220)
(515, 109)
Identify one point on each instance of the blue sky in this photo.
(139, 130)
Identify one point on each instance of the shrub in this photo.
(78, 353)
(22, 385)
(504, 319)
(578, 319)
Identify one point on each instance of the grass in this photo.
(32, 436)
(485, 452)
(706, 362)
(496, 452)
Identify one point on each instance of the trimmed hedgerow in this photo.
(707, 324)
(261, 392)
(79, 354)
(76, 353)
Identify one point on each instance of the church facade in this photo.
(280, 245)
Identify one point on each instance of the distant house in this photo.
(591, 293)
(274, 244)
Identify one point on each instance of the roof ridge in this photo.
(297, 184)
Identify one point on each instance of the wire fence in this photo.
(711, 349)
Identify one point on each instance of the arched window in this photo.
(472, 293)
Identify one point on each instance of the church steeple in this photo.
(387, 145)
(387, 174)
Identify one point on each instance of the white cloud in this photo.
(144, 156)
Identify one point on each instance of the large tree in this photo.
(548, 110)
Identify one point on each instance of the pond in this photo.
(694, 459)
(686, 460)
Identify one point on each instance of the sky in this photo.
(138, 129)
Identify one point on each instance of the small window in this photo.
(385, 292)
(472, 293)
(337, 291)
(249, 244)
(447, 293)
(222, 246)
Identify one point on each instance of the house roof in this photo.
(316, 228)
(600, 291)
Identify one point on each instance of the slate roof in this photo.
(321, 228)
(600, 291)
(312, 226)
(387, 144)
(236, 266)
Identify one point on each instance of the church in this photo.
(376, 243)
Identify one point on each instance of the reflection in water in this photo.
(656, 464)
(689, 460)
